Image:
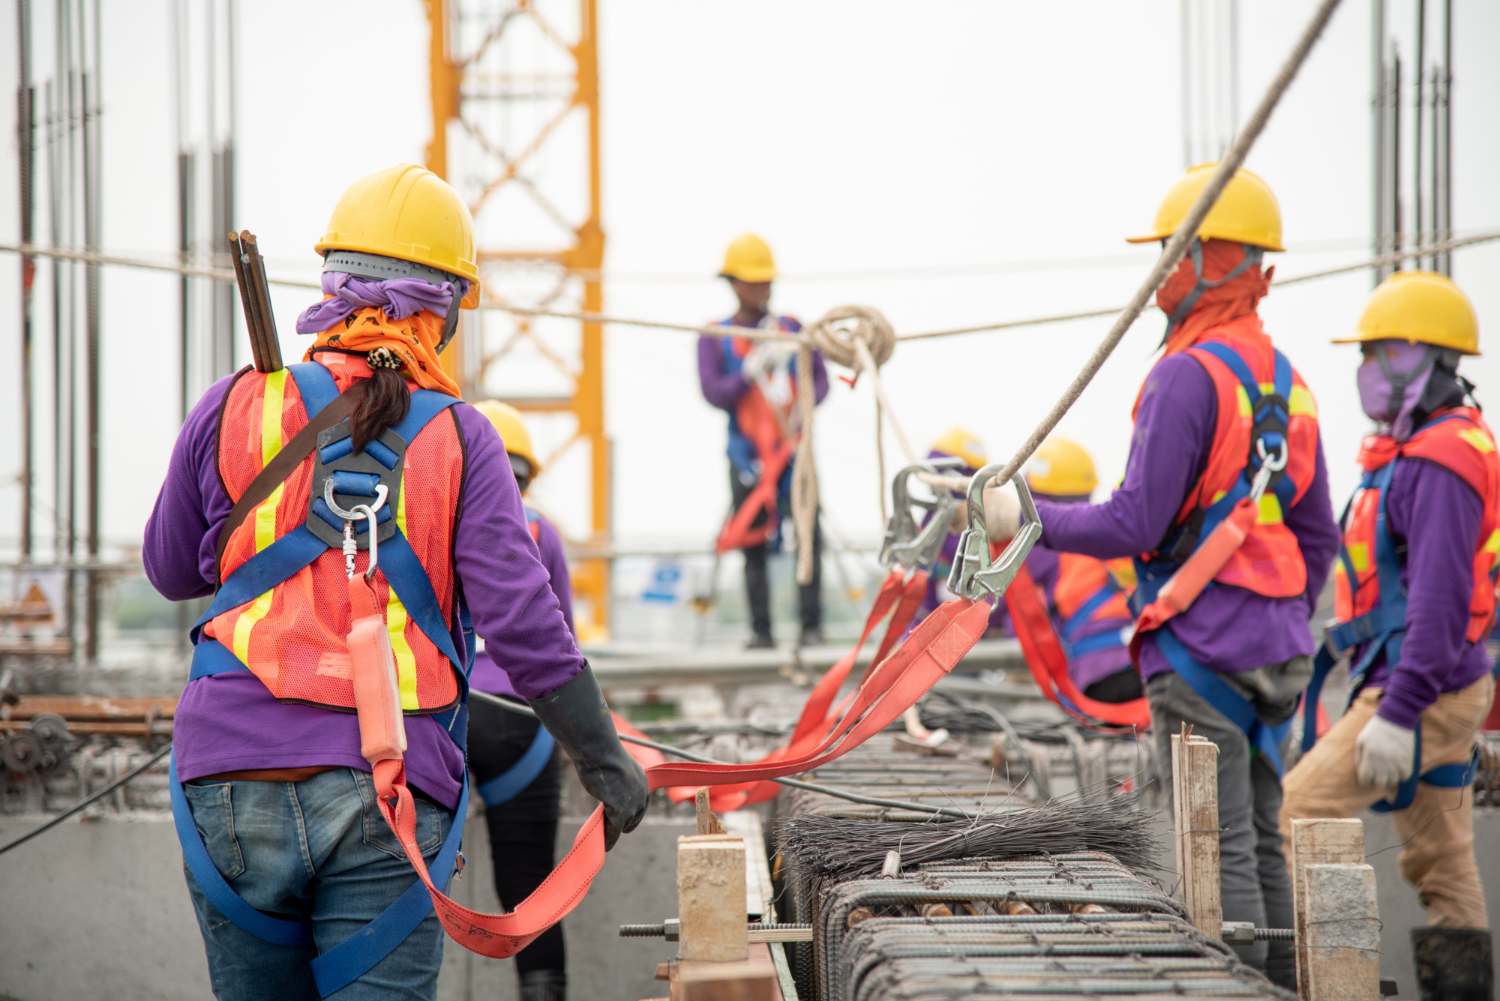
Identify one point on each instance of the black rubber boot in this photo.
(1453, 964)
(544, 985)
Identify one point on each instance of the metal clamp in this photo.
(906, 542)
(974, 576)
(367, 511)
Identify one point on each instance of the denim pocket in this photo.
(378, 834)
(213, 815)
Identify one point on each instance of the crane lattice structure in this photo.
(515, 107)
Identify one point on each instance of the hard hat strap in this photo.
(1253, 255)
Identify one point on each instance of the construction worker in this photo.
(1086, 596)
(1414, 599)
(517, 767)
(287, 851)
(755, 381)
(1219, 405)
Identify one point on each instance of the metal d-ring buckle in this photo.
(349, 517)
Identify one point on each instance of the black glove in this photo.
(578, 719)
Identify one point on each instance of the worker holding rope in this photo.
(516, 764)
(1223, 426)
(297, 833)
(1084, 597)
(756, 382)
(1415, 598)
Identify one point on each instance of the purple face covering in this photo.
(400, 297)
(1391, 383)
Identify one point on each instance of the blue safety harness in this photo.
(353, 957)
(1109, 639)
(1382, 628)
(1270, 417)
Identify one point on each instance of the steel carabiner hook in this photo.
(351, 546)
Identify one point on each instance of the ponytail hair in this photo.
(386, 401)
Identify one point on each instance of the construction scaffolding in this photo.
(511, 83)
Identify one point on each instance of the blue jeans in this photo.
(317, 850)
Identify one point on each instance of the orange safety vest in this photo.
(1269, 562)
(292, 637)
(758, 420)
(1459, 441)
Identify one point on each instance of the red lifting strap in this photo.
(890, 687)
(759, 424)
(815, 719)
(1049, 662)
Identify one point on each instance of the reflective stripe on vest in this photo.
(419, 587)
(1247, 373)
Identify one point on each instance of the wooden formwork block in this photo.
(1195, 822)
(1319, 841)
(1343, 932)
(738, 981)
(711, 898)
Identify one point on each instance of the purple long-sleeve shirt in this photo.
(489, 676)
(231, 722)
(723, 386)
(1436, 656)
(1227, 628)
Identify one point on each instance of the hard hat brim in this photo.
(1153, 238)
(1361, 338)
(754, 276)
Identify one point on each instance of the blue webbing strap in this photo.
(1322, 663)
(263, 571)
(1096, 601)
(354, 956)
(212, 883)
(510, 783)
(1456, 775)
(408, 578)
(1110, 639)
(316, 385)
(212, 657)
(1231, 704)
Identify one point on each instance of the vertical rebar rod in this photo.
(26, 142)
(1187, 83)
(1419, 76)
(1447, 202)
(1434, 211)
(1378, 129)
(90, 103)
(67, 32)
(1234, 68)
(1396, 234)
(54, 227)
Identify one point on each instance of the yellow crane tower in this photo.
(507, 82)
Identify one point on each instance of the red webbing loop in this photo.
(759, 424)
(889, 688)
(1048, 661)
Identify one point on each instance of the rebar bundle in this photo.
(842, 848)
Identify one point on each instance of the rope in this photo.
(1179, 242)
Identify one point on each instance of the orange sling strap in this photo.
(887, 690)
(1048, 662)
(759, 424)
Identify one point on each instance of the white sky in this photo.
(855, 136)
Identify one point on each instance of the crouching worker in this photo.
(516, 764)
(1415, 596)
(288, 856)
(1219, 405)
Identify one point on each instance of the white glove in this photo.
(1383, 753)
(1002, 513)
(757, 362)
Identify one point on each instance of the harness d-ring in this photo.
(351, 547)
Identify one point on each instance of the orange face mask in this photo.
(1215, 306)
(414, 340)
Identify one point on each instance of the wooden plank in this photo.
(758, 891)
(707, 822)
(711, 897)
(745, 980)
(1195, 808)
(1343, 932)
(96, 707)
(1319, 841)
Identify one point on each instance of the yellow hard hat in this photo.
(1246, 211)
(409, 213)
(512, 427)
(962, 444)
(749, 259)
(1422, 307)
(1061, 468)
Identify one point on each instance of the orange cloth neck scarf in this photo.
(414, 340)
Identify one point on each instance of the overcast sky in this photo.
(872, 143)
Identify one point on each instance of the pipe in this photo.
(26, 152)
